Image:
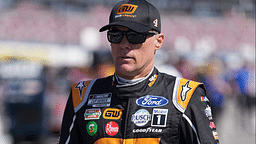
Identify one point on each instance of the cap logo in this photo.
(155, 22)
(126, 9)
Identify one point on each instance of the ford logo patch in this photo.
(152, 101)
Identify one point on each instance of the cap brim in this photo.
(131, 25)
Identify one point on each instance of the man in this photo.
(138, 104)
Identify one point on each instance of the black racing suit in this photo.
(160, 109)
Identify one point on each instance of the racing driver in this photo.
(138, 104)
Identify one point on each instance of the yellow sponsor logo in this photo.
(112, 113)
(126, 9)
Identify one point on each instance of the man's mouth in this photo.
(126, 57)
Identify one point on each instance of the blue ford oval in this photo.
(152, 101)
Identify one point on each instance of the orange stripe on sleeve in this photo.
(185, 91)
(78, 92)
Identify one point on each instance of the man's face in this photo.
(134, 61)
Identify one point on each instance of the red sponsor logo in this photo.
(112, 128)
(212, 125)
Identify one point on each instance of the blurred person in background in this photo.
(138, 103)
(103, 64)
(186, 68)
(81, 73)
(163, 62)
(244, 83)
(212, 75)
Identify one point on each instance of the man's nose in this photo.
(124, 44)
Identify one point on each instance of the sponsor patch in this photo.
(80, 86)
(159, 117)
(208, 112)
(152, 80)
(152, 101)
(182, 93)
(212, 125)
(147, 130)
(112, 113)
(91, 128)
(215, 135)
(184, 90)
(99, 100)
(204, 98)
(92, 114)
(111, 128)
(141, 117)
(126, 9)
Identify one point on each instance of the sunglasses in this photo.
(132, 36)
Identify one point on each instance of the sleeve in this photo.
(69, 131)
(197, 125)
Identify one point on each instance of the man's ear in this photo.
(159, 40)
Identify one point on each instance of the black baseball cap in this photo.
(137, 15)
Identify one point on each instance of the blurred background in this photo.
(46, 45)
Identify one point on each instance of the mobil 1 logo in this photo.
(159, 117)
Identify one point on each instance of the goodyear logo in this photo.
(126, 9)
(112, 113)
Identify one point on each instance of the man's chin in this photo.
(125, 69)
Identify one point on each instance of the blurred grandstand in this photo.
(212, 41)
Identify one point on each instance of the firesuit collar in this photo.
(125, 82)
(137, 89)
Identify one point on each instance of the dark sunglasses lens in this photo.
(115, 37)
(135, 38)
